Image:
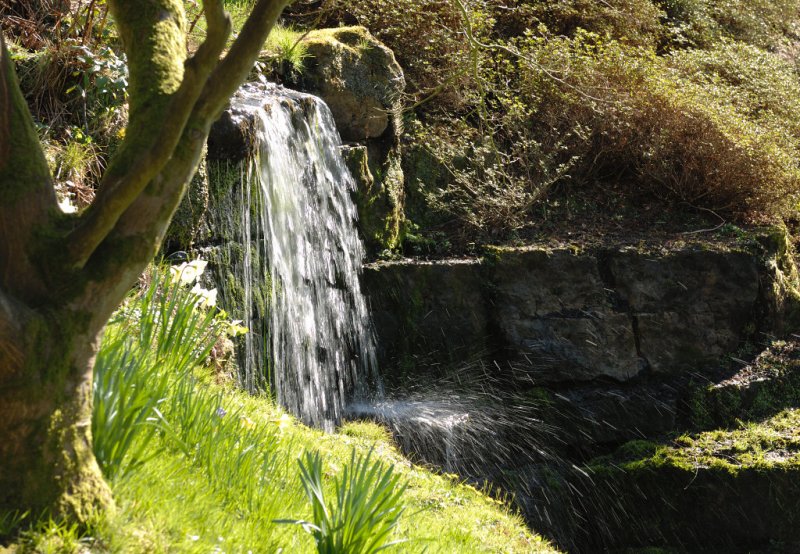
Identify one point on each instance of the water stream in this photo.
(298, 222)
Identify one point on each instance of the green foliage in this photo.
(284, 46)
(690, 102)
(75, 84)
(680, 138)
(160, 327)
(49, 536)
(768, 24)
(368, 505)
(634, 22)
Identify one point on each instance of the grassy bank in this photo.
(198, 466)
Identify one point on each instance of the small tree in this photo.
(62, 275)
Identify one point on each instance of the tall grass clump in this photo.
(285, 46)
(367, 506)
(149, 401)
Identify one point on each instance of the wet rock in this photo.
(722, 491)
(427, 315)
(362, 83)
(380, 201)
(564, 316)
(691, 306)
(553, 311)
(587, 418)
(189, 224)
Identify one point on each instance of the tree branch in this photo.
(5, 102)
(237, 63)
(141, 228)
(120, 188)
(27, 197)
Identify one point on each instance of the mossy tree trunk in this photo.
(61, 276)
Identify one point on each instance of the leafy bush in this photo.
(635, 22)
(661, 131)
(767, 24)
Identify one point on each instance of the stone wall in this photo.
(612, 339)
(564, 315)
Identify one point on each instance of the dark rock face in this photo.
(561, 316)
(428, 315)
(691, 307)
(554, 312)
(560, 356)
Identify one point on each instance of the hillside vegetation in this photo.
(522, 117)
(199, 466)
(526, 112)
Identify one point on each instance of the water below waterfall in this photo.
(299, 234)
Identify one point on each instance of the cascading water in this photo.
(298, 220)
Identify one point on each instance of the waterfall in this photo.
(297, 223)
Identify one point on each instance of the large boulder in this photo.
(357, 76)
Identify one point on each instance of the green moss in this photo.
(23, 167)
(368, 431)
(379, 198)
(188, 225)
(771, 444)
(712, 490)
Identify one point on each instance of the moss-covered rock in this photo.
(357, 76)
(380, 202)
(189, 225)
(758, 390)
(362, 84)
(781, 287)
(730, 491)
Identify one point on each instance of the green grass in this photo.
(282, 45)
(197, 467)
(368, 506)
(167, 504)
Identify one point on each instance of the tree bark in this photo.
(46, 459)
(61, 276)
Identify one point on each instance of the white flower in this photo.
(188, 272)
(207, 298)
(283, 422)
(67, 207)
(235, 328)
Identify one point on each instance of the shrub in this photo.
(663, 132)
(700, 23)
(635, 22)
